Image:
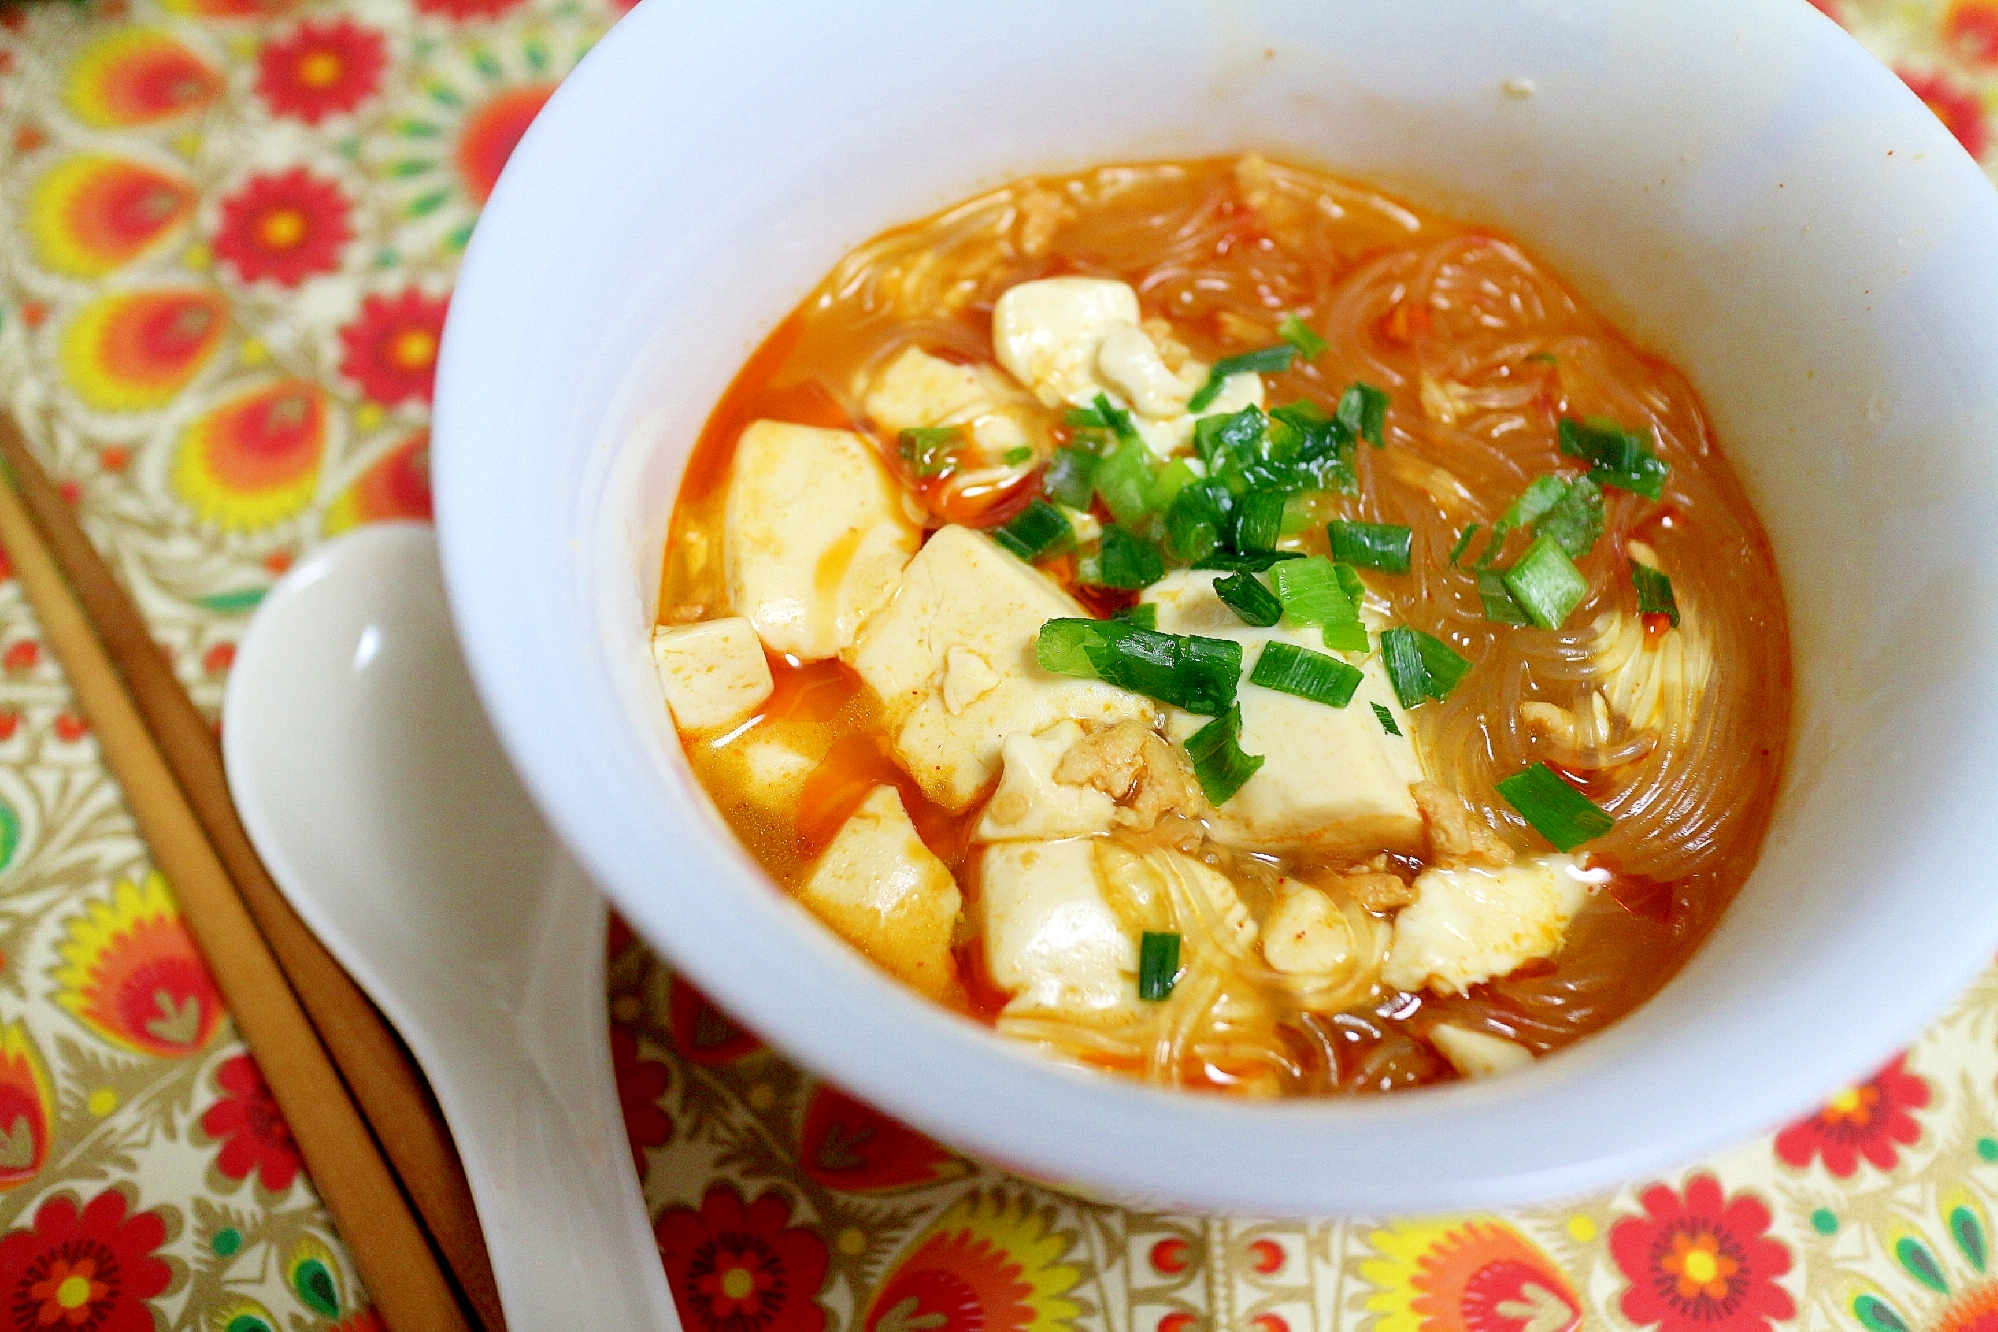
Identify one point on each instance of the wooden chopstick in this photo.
(359, 1188)
(378, 1070)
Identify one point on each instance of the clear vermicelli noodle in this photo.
(1580, 592)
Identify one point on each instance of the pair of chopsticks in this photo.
(373, 1140)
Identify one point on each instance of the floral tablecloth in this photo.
(228, 230)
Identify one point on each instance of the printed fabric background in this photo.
(228, 230)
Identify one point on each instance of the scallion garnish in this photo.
(1363, 411)
(1299, 335)
(1383, 546)
(1541, 495)
(1654, 592)
(1196, 518)
(1386, 719)
(1158, 965)
(1500, 608)
(1616, 457)
(1222, 441)
(1576, 519)
(1196, 674)
(1546, 583)
(1557, 811)
(1313, 595)
(1463, 542)
(1544, 357)
(1070, 478)
(1256, 563)
(1123, 480)
(1245, 594)
(1258, 521)
(930, 450)
(1167, 482)
(1103, 415)
(1144, 614)
(1219, 764)
(1420, 666)
(1262, 361)
(1015, 456)
(1039, 529)
(1127, 561)
(1306, 674)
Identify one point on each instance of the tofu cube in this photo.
(918, 389)
(713, 674)
(1467, 926)
(1478, 1054)
(952, 658)
(1052, 939)
(1030, 805)
(814, 533)
(880, 889)
(1333, 781)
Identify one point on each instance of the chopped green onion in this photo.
(1576, 519)
(1363, 411)
(1654, 592)
(1386, 719)
(1015, 456)
(1306, 674)
(1463, 542)
(1145, 614)
(1070, 478)
(1123, 480)
(1196, 518)
(1039, 529)
(1557, 811)
(1544, 357)
(1543, 494)
(1546, 583)
(1354, 585)
(930, 450)
(1262, 361)
(1196, 674)
(1500, 608)
(1167, 482)
(1104, 415)
(1419, 666)
(1158, 966)
(1128, 561)
(1255, 563)
(1220, 440)
(1314, 595)
(1299, 335)
(1616, 457)
(1219, 764)
(1245, 594)
(1383, 546)
(1258, 521)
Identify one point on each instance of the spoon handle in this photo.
(544, 1145)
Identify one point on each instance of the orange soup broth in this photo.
(1482, 353)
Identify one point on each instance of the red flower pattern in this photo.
(742, 1269)
(1867, 1120)
(1956, 106)
(321, 69)
(461, 10)
(87, 1272)
(251, 1128)
(640, 1084)
(1701, 1263)
(391, 346)
(284, 227)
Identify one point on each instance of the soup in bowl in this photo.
(1790, 273)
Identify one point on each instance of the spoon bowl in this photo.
(374, 789)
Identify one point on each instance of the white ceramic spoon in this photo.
(375, 791)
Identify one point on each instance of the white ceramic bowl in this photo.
(1733, 180)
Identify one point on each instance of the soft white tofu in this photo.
(814, 535)
(1030, 805)
(1478, 1054)
(775, 771)
(1047, 333)
(1056, 939)
(713, 673)
(918, 389)
(1467, 926)
(1070, 339)
(952, 658)
(1333, 781)
(1051, 938)
(879, 888)
(1307, 934)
